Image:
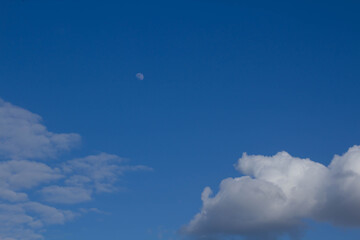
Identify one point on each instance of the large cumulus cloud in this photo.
(277, 193)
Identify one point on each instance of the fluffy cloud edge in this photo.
(277, 193)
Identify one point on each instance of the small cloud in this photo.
(140, 76)
(93, 210)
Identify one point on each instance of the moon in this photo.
(140, 76)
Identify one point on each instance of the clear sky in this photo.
(165, 96)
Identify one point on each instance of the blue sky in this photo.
(220, 78)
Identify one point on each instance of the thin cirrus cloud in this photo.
(23, 140)
(277, 194)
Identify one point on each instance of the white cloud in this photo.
(12, 196)
(92, 210)
(101, 169)
(23, 136)
(19, 175)
(77, 180)
(24, 221)
(88, 175)
(47, 214)
(140, 76)
(99, 172)
(67, 195)
(23, 140)
(22, 174)
(278, 193)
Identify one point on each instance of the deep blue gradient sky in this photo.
(221, 78)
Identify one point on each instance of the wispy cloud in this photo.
(277, 193)
(22, 135)
(67, 195)
(99, 172)
(23, 140)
